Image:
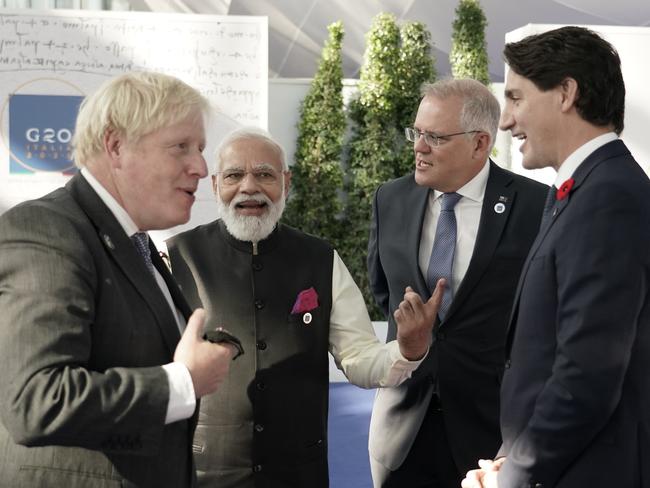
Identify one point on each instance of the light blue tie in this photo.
(444, 246)
(141, 242)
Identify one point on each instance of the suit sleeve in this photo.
(50, 392)
(376, 277)
(601, 270)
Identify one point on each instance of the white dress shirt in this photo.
(468, 216)
(182, 399)
(365, 360)
(575, 159)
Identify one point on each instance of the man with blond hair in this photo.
(100, 383)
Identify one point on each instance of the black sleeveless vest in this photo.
(266, 426)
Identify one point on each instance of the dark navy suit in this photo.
(575, 396)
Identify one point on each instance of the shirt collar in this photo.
(474, 189)
(575, 159)
(116, 209)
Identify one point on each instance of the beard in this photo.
(251, 228)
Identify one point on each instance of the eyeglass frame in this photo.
(266, 167)
(436, 138)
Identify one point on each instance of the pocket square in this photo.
(307, 300)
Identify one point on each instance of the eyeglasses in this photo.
(431, 140)
(262, 176)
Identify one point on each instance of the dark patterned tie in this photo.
(444, 246)
(141, 242)
(548, 205)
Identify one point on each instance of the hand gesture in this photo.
(485, 476)
(415, 320)
(207, 363)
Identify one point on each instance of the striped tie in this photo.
(444, 246)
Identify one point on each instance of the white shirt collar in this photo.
(474, 189)
(575, 159)
(116, 209)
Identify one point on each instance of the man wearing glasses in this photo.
(461, 217)
(290, 299)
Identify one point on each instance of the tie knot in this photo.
(141, 242)
(449, 200)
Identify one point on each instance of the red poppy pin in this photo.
(565, 189)
(307, 300)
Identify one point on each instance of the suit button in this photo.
(261, 386)
(259, 427)
(257, 266)
(259, 304)
(440, 336)
(257, 468)
(507, 364)
(261, 345)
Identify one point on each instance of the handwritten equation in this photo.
(226, 59)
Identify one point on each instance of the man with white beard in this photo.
(290, 299)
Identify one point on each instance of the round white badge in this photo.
(307, 318)
(499, 208)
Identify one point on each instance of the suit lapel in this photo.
(174, 290)
(612, 149)
(417, 199)
(118, 245)
(498, 196)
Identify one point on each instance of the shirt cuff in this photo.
(182, 400)
(398, 359)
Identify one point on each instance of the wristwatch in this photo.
(220, 335)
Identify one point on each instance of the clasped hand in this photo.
(485, 476)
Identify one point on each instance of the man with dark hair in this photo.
(547, 60)
(430, 430)
(575, 396)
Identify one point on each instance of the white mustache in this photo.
(256, 197)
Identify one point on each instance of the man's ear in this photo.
(287, 182)
(569, 93)
(113, 143)
(215, 184)
(482, 144)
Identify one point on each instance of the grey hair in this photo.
(248, 133)
(481, 110)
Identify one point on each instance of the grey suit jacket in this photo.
(467, 354)
(84, 329)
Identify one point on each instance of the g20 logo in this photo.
(49, 135)
(41, 129)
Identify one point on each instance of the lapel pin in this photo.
(554, 211)
(499, 208)
(503, 199)
(306, 318)
(108, 241)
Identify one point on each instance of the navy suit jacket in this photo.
(467, 354)
(576, 392)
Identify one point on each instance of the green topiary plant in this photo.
(314, 205)
(468, 56)
(416, 66)
(396, 63)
